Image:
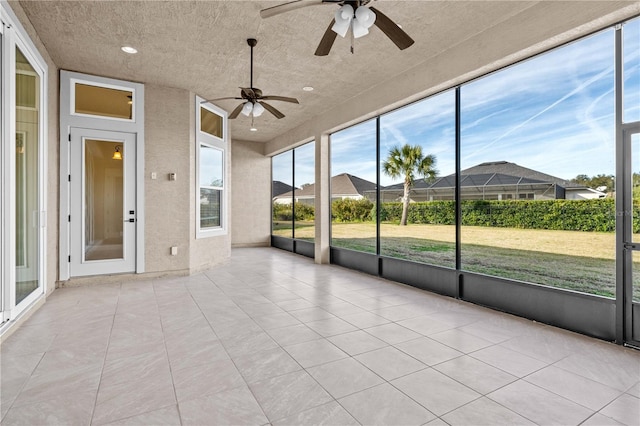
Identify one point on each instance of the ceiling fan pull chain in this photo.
(353, 38)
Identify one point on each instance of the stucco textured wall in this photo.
(251, 196)
(167, 150)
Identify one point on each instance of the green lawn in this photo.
(574, 260)
(584, 274)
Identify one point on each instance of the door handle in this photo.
(631, 246)
(132, 220)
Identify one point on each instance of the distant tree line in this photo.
(597, 181)
(602, 180)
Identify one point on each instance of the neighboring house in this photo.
(343, 186)
(279, 188)
(498, 180)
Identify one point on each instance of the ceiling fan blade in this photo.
(289, 6)
(236, 111)
(392, 30)
(272, 110)
(327, 41)
(218, 99)
(280, 98)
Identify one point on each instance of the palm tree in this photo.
(405, 162)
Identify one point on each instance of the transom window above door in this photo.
(102, 101)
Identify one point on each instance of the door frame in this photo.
(69, 119)
(79, 266)
(625, 293)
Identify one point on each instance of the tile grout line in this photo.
(166, 351)
(106, 352)
(22, 387)
(225, 349)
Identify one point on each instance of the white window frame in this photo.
(210, 141)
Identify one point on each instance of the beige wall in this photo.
(251, 196)
(167, 150)
(52, 148)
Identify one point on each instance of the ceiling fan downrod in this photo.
(251, 42)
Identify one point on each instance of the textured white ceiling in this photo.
(201, 46)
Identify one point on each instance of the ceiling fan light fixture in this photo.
(346, 12)
(365, 16)
(359, 30)
(247, 108)
(258, 109)
(343, 19)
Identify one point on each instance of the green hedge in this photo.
(349, 210)
(432, 212)
(283, 212)
(569, 215)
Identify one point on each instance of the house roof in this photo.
(515, 170)
(279, 187)
(493, 173)
(343, 184)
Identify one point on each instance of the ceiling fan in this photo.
(253, 101)
(352, 15)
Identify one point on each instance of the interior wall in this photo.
(167, 150)
(251, 196)
(52, 130)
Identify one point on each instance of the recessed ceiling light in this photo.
(307, 88)
(253, 129)
(129, 49)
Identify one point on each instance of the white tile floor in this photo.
(270, 337)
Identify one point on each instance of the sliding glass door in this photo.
(22, 165)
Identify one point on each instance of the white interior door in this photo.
(102, 189)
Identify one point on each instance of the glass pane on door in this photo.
(636, 276)
(103, 200)
(635, 203)
(27, 178)
(635, 186)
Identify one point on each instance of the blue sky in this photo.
(553, 113)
